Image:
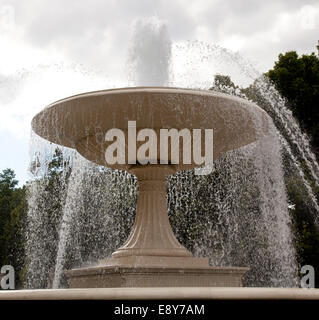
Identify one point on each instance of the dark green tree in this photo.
(224, 84)
(297, 79)
(13, 210)
(8, 201)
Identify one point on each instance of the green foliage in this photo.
(13, 210)
(297, 79)
(8, 201)
(307, 233)
(224, 84)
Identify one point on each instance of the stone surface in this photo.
(164, 293)
(151, 236)
(116, 277)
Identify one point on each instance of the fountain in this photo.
(151, 256)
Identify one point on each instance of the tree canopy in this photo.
(297, 79)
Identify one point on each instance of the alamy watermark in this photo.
(155, 150)
(7, 277)
(308, 280)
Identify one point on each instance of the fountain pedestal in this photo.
(152, 241)
(152, 256)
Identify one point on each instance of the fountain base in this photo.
(152, 256)
(115, 276)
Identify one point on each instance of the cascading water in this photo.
(295, 143)
(72, 211)
(238, 215)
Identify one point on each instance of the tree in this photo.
(13, 210)
(224, 84)
(297, 79)
(14, 238)
(8, 202)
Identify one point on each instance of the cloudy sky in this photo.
(52, 49)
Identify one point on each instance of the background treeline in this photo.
(295, 77)
(13, 213)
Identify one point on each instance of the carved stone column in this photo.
(152, 241)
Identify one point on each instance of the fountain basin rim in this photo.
(149, 89)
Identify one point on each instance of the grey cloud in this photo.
(51, 20)
(98, 32)
(247, 17)
(82, 29)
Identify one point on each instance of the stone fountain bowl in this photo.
(151, 255)
(81, 121)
